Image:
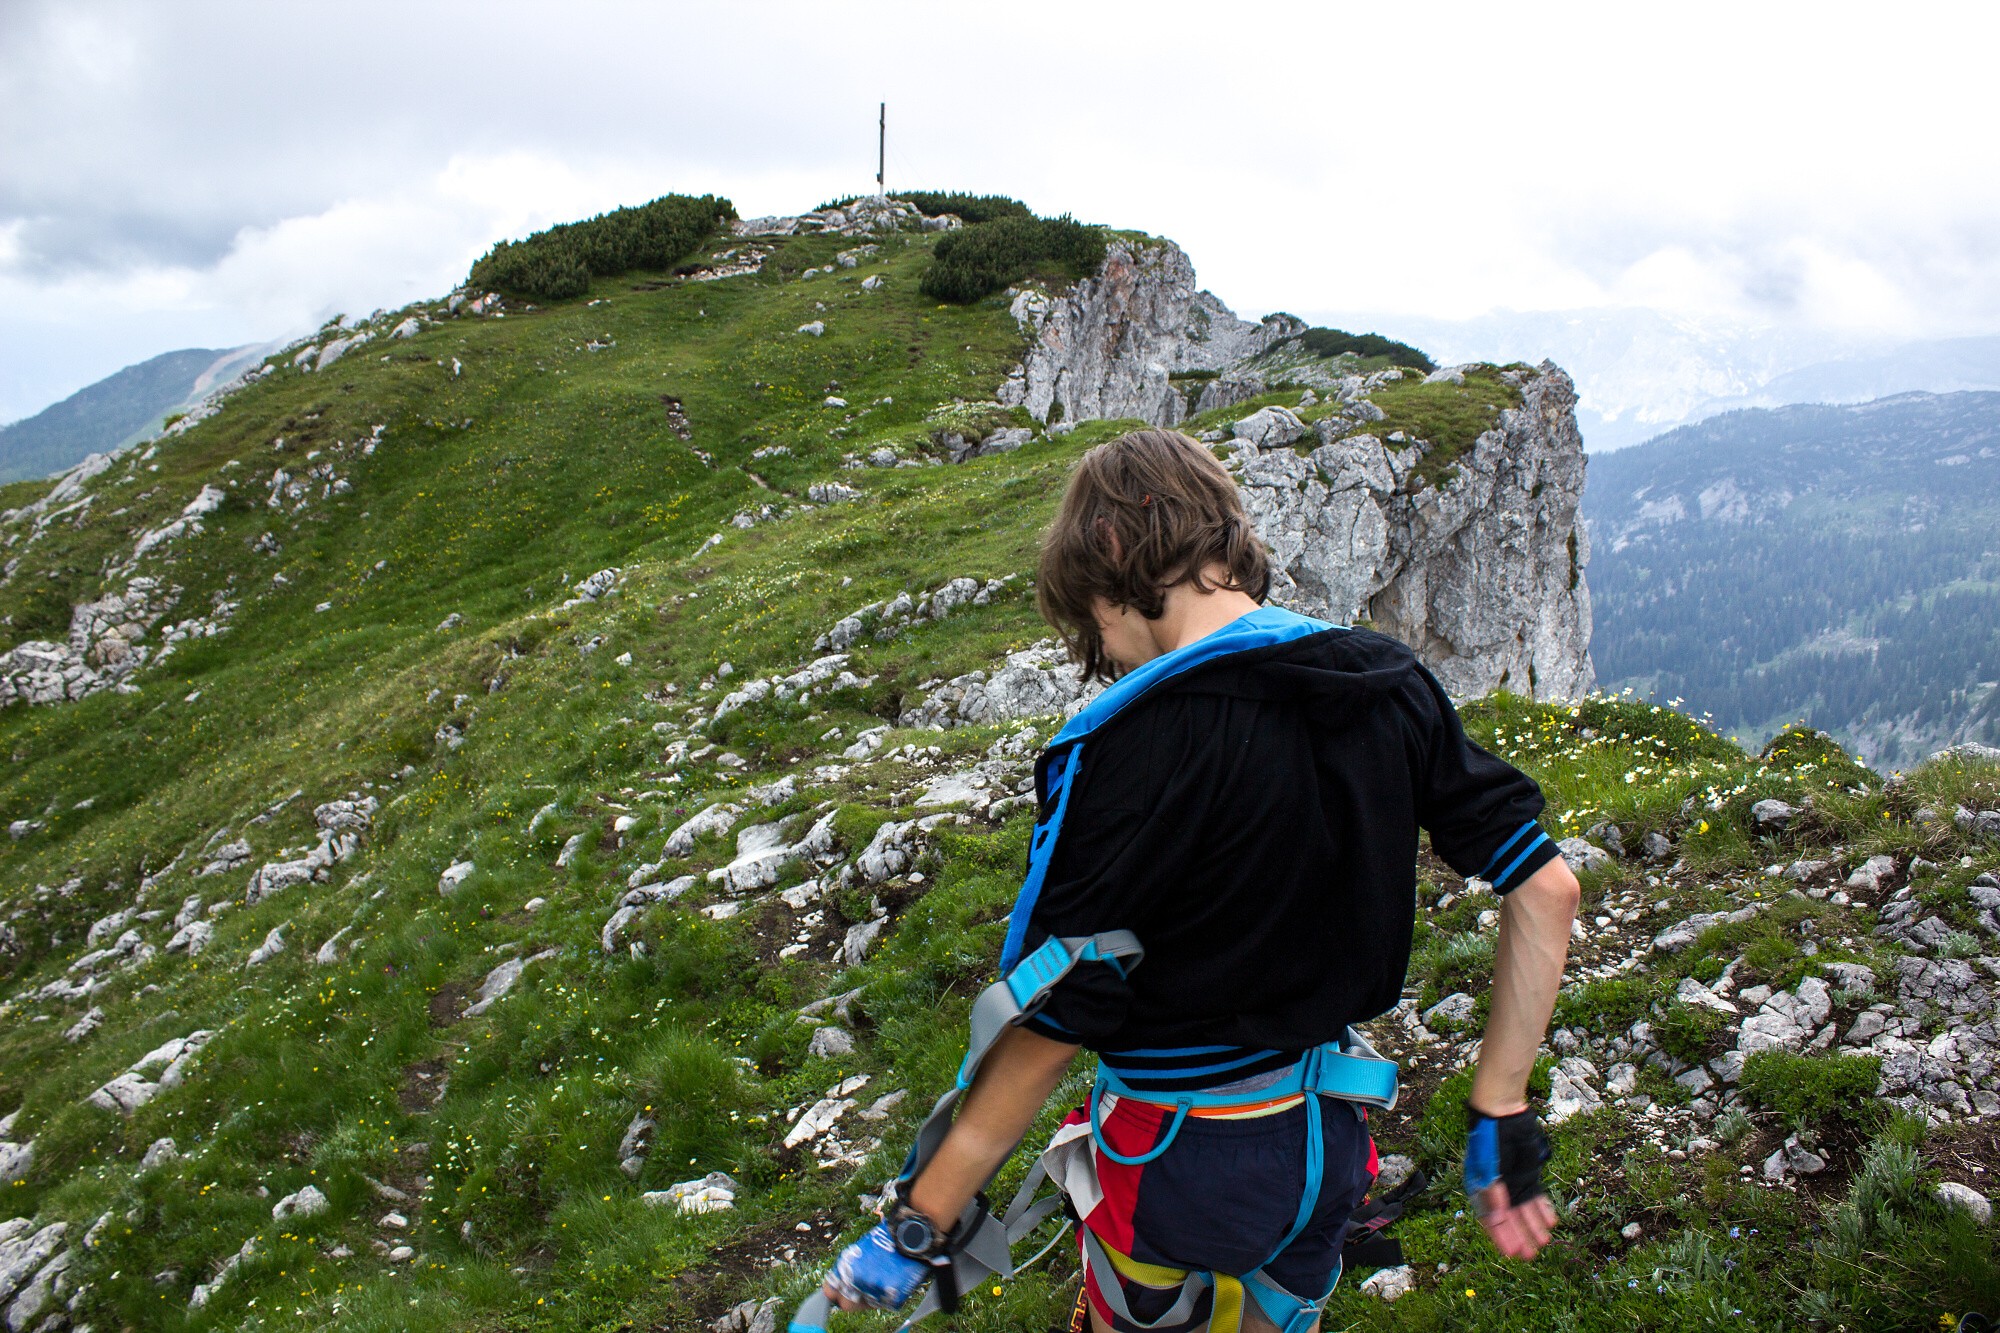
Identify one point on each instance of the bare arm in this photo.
(1527, 972)
(1013, 1083)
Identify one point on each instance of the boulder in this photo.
(1583, 857)
(716, 818)
(501, 980)
(273, 945)
(830, 1043)
(307, 1202)
(1967, 1200)
(762, 853)
(1456, 1008)
(1869, 875)
(16, 1160)
(1270, 428)
(1772, 815)
(713, 1193)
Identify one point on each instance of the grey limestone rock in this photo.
(307, 1202)
(762, 853)
(1037, 681)
(717, 818)
(1680, 935)
(25, 1249)
(1482, 575)
(501, 980)
(1771, 815)
(830, 1043)
(1949, 986)
(1868, 876)
(1966, 1199)
(1270, 428)
(16, 1160)
(273, 945)
(1454, 1008)
(1583, 856)
(632, 1148)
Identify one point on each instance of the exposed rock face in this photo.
(1481, 574)
(1108, 346)
(103, 648)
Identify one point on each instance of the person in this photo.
(1245, 798)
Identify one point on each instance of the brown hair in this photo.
(1143, 513)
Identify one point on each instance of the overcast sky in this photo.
(187, 173)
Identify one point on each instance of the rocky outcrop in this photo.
(103, 648)
(1482, 573)
(1109, 346)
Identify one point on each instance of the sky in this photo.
(180, 173)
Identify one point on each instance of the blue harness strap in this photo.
(1060, 782)
(1347, 1070)
(1265, 627)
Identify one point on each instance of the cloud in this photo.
(256, 166)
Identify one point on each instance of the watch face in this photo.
(913, 1236)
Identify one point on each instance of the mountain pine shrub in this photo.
(1811, 1089)
(971, 208)
(985, 257)
(1339, 342)
(560, 262)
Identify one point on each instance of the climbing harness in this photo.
(1350, 1070)
(981, 1243)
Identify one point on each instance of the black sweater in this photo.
(1254, 821)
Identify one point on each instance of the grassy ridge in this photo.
(514, 460)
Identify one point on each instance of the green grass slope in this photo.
(480, 469)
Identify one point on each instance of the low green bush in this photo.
(560, 262)
(981, 259)
(1810, 1089)
(970, 208)
(1689, 1032)
(1604, 1007)
(1799, 746)
(1445, 964)
(1339, 342)
(1671, 733)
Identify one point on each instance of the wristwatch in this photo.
(915, 1235)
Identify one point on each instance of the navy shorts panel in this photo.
(1224, 1195)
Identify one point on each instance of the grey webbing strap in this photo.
(987, 1248)
(1108, 1286)
(1003, 1005)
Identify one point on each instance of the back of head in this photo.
(1143, 513)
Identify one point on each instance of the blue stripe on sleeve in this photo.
(1502, 884)
(1505, 847)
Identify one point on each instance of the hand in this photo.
(1503, 1178)
(872, 1272)
(1517, 1230)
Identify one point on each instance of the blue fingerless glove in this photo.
(874, 1272)
(1507, 1148)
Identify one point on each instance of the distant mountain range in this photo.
(117, 410)
(1839, 564)
(1642, 372)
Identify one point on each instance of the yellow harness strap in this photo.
(1227, 1314)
